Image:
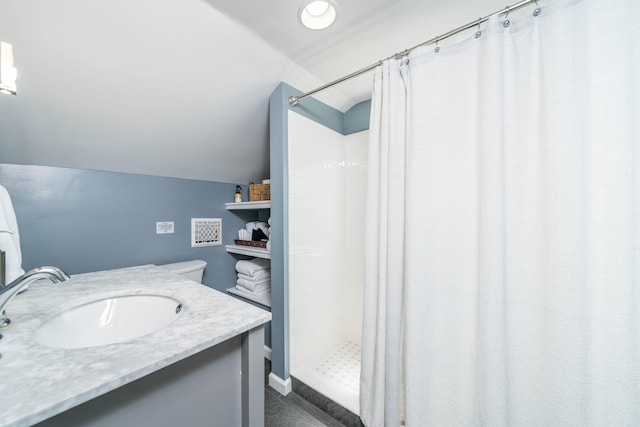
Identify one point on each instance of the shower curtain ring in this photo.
(537, 10)
(398, 56)
(506, 22)
(479, 32)
(437, 49)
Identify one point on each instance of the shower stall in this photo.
(327, 190)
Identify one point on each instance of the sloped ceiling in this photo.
(180, 87)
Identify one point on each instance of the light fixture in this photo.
(8, 72)
(317, 14)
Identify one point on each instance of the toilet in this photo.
(191, 270)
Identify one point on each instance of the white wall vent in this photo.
(206, 232)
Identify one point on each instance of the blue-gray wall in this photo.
(357, 118)
(83, 221)
(354, 120)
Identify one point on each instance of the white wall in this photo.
(327, 175)
(355, 188)
(169, 88)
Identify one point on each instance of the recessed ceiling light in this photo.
(317, 14)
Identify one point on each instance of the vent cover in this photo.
(206, 232)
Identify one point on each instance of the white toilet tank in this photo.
(192, 270)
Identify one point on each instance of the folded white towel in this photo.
(255, 289)
(250, 226)
(243, 234)
(256, 292)
(253, 266)
(253, 286)
(258, 277)
(10, 238)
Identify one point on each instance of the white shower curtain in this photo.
(502, 279)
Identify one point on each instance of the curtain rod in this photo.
(293, 100)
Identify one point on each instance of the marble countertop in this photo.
(38, 382)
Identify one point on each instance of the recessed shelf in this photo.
(249, 251)
(262, 299)
(264, 204)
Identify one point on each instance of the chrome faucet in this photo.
(8, 292)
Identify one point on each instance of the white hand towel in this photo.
(256, 292)
(265, 274)
(252, 266)
(251, 226)
(254, 287)
(10, 242)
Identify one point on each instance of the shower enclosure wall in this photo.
(327, 179)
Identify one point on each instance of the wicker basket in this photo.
(252, 243)
(258, 192)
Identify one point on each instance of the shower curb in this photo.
(335, 410)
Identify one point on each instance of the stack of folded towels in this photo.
(254, 276)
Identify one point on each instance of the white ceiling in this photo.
(180, 87)
(365, 32)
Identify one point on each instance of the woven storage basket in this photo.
(253, 243)
(258, 192)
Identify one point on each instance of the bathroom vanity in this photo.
(204, 368)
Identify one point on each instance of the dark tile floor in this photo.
(292, 410)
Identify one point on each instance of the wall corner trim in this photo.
(278, 384)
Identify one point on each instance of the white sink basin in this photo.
(108, 321)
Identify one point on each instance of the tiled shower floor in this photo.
(342, 367)
(337, 376)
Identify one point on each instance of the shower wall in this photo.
(327, 178)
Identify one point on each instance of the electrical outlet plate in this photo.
(164, 227)
(206, 232)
